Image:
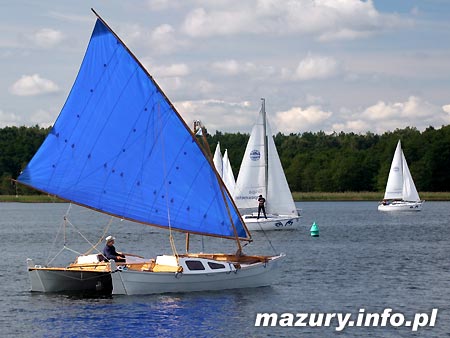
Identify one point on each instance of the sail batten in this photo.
(113, 150)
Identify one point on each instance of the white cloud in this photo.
(217, 114)
(163, 39)
(159, 5)
(159, 40)
(313, 67)
(171, 77)
(233, 67)
(204, 87)
(29, 85)
(133, 33)
(174, 70)
(8, 119)
(327, 19)
(200, 23)
(47, 37)
(42, 118)
(68, 17)
(229, 67)
(296, 119)
(415, 107)
(313, 99)
(388, 116)
(344, 34)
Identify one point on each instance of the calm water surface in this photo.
(363, 259)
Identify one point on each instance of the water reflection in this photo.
(198, 314)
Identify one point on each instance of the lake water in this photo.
(363, 259)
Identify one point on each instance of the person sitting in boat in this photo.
(261, 201)
(110, 252)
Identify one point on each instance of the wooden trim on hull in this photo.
(251, 275)
(114, 278)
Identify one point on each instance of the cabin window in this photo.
(216, 266)
(195, 265)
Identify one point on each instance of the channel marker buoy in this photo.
(314, 230)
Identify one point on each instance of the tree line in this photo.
(313, 162)
(340, 162)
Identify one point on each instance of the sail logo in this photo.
(396, 169)
(255, 155)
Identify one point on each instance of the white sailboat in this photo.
(119, 147)
(401, 193)
(223, 167)
(227, 173)
(261, 173)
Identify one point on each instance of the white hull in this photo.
(272, 222)
(401, 206)
(131, 282)
(165, 275)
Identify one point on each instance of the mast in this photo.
(402, 169)
(266, 154)
(199, 129)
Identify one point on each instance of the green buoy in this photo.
(314, 230)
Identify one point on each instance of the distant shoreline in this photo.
(298, 197)
(361, 196)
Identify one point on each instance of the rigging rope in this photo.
(267, 238)
(105, 230)
(63, 228)
(171, 239)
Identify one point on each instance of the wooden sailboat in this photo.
(119, 147)
(261, 173)
(401, 193)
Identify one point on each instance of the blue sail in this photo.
(120, 147)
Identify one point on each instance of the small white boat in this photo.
(261, 173)
(119, 147)
(223, 167)
(401, 193)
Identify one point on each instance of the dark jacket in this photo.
(110, 252)
(261, 201)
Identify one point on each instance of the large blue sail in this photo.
(119, 147)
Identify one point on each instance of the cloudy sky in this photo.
(330, 65)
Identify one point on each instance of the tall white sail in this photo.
(217, 159)
(394, 185)
(400, 184)
(263, 175)
(279, 196)
(409, 188)
(227, 172)
(251, 181)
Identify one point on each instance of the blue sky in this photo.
(330, 65)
